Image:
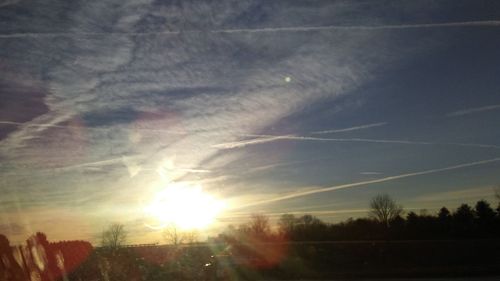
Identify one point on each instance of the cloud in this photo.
(205, 84)
(271, 138)
(5, 3)
(12, 229)
(260, 139)
(31, 125)
(257, 30)
(284, 164)
(368, 182)
(368, 27)
(355, 128)
(473, 110)
(464, 194)
(370, 173)
(241, 216)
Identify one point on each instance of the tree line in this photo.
(386, 221)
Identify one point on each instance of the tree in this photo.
(463, 221)
(485, 217)
(192, 236)
(309, 228)
(444, 215)
(114, 237)
(173, 235)
(384, 209)
(464, 213)
(444, 221)
(259, 225)
(308, 220)
(484, 211)
(286, 224)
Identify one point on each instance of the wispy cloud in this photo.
(473, 110)
(28, 125)
(284, 164)
(370, 173)
(368, 182)
(243, 215)
(32, 125)
(484, 192)
(355, 128)
(8, 3)
(260, 139)
(257, 30)
(12, 229)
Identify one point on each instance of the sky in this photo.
(272, 106)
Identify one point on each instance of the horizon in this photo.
(202, 236)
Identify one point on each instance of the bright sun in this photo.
(185, 206)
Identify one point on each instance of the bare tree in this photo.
(287, 223)
(192, 236)
(114, 237)
(173, 235)
(259, 225)
(384, 209)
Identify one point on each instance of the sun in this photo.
(184, 206)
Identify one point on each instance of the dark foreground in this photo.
(366, 260)
(457, 260)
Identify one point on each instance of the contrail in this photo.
(284, 164)
(361, 127)
(91, 128)
(349, 185)
(259, 139)
(257, 30)
(370, 173)
(33, 125)
(96, 163)
(473, 110)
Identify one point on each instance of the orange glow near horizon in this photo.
(184, 206)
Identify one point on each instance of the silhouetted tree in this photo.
(173, 235)
(114, 236)
(444, 215)
(463, 221)
(485, 217)
(310, 228)
(384, 209)
(397, 228)
(484, 211)
(286, 224)
(444, 220)
(259, 225)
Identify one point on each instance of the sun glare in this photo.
(185, 206)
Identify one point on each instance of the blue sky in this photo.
(275, 106)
